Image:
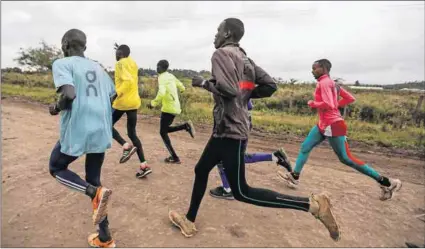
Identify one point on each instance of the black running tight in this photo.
(165, 128)
(131, 130)
(231, 152)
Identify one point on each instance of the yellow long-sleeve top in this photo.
(126, 85)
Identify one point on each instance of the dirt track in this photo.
(39, 212)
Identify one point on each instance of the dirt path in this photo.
(39, 212)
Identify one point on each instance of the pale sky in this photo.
(373, 42)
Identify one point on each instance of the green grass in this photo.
(32, 80)
(284, 123)
(272, 115)
(357, 130)
(40, 94)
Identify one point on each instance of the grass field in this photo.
(381, 118)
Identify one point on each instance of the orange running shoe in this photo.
(100, 204)
(94, 241)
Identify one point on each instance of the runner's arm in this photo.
(326, 94)
(222, 82)
(179, 84)
(119, 78)
(160, 94)
(266, 86)
(66, 97)
(347, 98)
(112, 93)
(63, 80)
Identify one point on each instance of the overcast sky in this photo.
(373, 42)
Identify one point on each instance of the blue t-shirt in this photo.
(87, 127)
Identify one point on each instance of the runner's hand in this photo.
(53, 109)
(198, 81)
(310, 103)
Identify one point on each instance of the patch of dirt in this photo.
(37, 211)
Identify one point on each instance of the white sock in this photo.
(228, 190)
(126, 146)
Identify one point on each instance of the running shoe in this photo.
(187, 227)
(220, 193)
(95, 242)
(127, 153)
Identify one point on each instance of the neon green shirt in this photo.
(167, 94)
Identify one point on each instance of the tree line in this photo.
(41, 58)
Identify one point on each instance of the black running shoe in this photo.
(411, 245)
(190, 128)
(220, 193)
(126, 154)
(143, 172)
(282, 159)
(172, 160)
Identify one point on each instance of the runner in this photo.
(128, 102)
(232, 85)
(332, 126)
(279, 156)
(168, 97)
(85, 127)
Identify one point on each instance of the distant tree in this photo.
(205, 74)
(357, 83)
(40, 58)
(293, 81)
(146, 72)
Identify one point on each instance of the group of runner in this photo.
(90, 103)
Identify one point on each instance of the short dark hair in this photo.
(164, 64)
(236, 27)
(325, 63)
(124, 49)
(75, 38)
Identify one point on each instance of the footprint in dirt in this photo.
(420, 211)
(236, 231)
